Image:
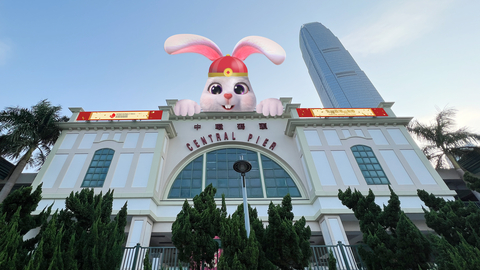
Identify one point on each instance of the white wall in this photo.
(67, 169)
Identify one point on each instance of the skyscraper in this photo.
(338, 79)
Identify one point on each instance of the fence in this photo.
(166, 258)
(477, 204)
(161, 258)
(346, 255)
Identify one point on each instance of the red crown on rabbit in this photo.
(228, 66)
(228, 87)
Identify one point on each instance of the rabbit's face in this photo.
(228, 94)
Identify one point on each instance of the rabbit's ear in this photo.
(256, 44)
(188, 43)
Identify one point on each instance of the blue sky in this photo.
(108, 55)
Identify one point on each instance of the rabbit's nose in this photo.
(227, 96)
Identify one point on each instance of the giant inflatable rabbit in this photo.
(227, 87)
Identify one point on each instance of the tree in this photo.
(86, 221)
(459, 257)
(25, 201)
(472, 181)
(11, 242)
(147, 265)
(22, 132)
(452, 219)
(238, 251)
(194, 229)
(16, 221)
(48, 254)
(394, 242)
(286, 244)
(332, 262)
(283, 244)
(442, 142)
(457, 245)
(81, 236)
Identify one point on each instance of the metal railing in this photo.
(347, 257)
(166, 258)
(161, 258)
(476, 203)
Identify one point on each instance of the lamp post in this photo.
(242, 167)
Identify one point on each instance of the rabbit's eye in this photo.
(215, 88)
(240, 89)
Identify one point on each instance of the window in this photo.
(272, 182)
(220, 173)
(345, 73)
(333, 49)
(277, 181)
(369, 165)
(189, 181)
(98, 169)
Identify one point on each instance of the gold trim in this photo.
(228, 72)
(350, 112)
(223, 75)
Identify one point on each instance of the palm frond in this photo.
(38, 159)
(22, 129)
(440, 137)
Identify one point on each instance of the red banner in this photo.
(341, 112)
(120, 115)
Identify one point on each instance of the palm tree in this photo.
(22, 131)
(443, 144)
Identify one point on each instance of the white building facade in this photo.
(155, 165)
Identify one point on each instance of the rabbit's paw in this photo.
(186, 107)
(270, 106)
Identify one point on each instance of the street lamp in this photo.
(242, 167)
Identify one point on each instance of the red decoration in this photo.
(228, 66)
(83, 116)
(379, 112)
(120, 115)
(341, 112)
(304, 112)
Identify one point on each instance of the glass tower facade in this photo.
(338, 79)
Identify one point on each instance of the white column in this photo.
(332, 230)
(140, 231)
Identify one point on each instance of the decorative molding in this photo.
(292, 123)
(120, 125)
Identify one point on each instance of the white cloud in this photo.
(4, 52)
(470, 118)
(397, 26)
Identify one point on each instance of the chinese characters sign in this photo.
(227, 136)
(343, 112)
(122, 115)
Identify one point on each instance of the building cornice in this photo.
(224, 116)
(121, 125)
(221, 115)
(293, 123)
